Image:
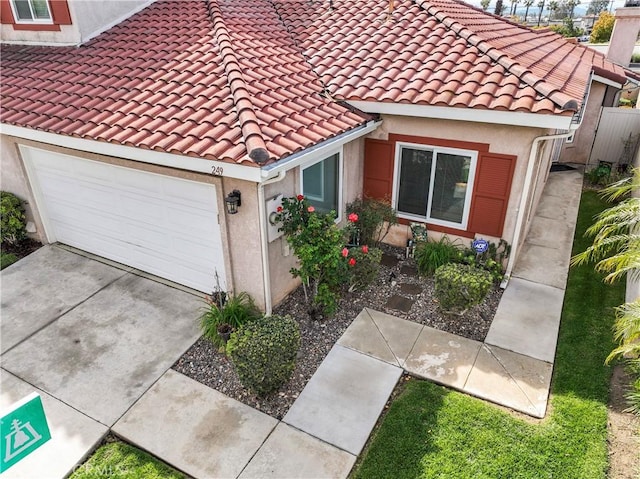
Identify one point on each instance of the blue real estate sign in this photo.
(22, 430)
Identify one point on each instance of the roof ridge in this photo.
(251, 131)
(564, 101)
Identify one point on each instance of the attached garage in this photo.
(163, 225)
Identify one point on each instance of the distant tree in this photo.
(602, 29)
(554, 6)
(498, 9)
(597, 6)
(514, 6)
(485, 4)
(541, 9)
(527, 4)
(571, 6)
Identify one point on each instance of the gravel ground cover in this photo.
(205, 364)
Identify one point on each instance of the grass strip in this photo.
(433, 432)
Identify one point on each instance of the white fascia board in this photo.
(466, 114)
(606, 81)
(319, 151)
(189, 163)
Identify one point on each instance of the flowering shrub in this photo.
(364, 264)
(318, 244)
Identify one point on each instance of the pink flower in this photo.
(300, 197)
(365, 249)
(311, 209)
(279, 209)
(352, 262)
(345, 252)
(353, 217)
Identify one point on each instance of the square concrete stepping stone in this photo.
(103, 355)
(409, 288)
(343, 399)
(409, 270)
(527, 319)
(382, 336)
(292, 453)
(388, 260)
(400, 303)
(543, 265)
(442, 357)
(511, 379)
(31, 301)
(73, 435)
(195, 428)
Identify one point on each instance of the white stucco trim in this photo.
(606, 81)
(466, 114)
(189, 163)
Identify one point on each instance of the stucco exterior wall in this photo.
(88, 18)
(281, 258)
(504, 139)
(580, 149)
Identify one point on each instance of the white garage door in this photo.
(159, 224)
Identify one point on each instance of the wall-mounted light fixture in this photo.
(232, 202)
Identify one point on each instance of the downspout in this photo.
(533, 155)
(264, 245)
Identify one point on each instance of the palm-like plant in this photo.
(616, 243)
(616, 250)
(527, 4)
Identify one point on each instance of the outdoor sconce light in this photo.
(232, 201)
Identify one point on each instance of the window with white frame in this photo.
(321, 184)
(31, 11)
(434, 184)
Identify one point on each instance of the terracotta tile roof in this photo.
(187, 77)
(441, 53)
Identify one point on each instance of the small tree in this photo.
(498, 9)
(485, 4)
(603, 28)
(527, 4)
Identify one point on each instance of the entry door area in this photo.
(163, 225)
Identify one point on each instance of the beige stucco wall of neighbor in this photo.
(281, 258)
(580, 149)
(88, 18)
(504, 139)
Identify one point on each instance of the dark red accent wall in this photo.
(492, 184)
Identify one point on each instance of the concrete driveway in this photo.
(91, 338)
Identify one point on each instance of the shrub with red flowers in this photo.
(324, 263)
(318, 244)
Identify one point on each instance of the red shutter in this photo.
(492, 185)
(60, 12)
(378, 168)
(6, 15)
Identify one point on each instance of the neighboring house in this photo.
(130, 144)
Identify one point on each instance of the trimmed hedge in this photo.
(12, 219)
(460, 286)
(264, 352)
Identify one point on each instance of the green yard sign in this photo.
(22, 430)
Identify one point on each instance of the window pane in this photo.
(320, 184)
(415, 173)
(22, 9)
(40, 10)
(450, 187)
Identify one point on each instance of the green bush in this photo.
(365, 271)
(491, 260)
(372, 215)
(264, 352)
(12, 218)
(430, 255)
(460, 286)
(235, 310)
(7, 259)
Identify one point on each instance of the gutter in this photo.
(264, 246)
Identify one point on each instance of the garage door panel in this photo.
(163, 225)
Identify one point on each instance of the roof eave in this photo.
(515, 118)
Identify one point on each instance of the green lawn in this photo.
(118, 460)
(433, 432)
